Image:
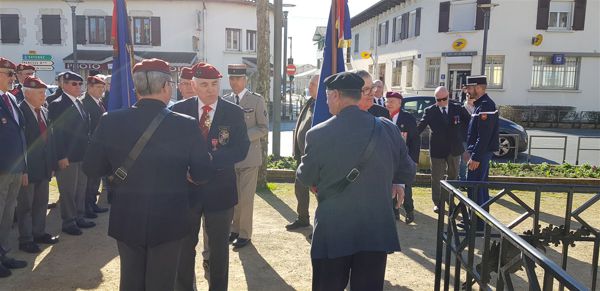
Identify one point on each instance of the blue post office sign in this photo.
(558, 59)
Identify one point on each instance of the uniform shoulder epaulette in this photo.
(255, 94)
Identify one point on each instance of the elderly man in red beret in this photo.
(23, 71)
(222, 124)
(185, 83)
(13, 170)
(150, 211)
(33, 198)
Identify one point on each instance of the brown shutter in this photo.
(542, 14)
(108, 21)
(394, 30)
(479, 17)
(51, 29)
(80, 23)
(155, 30)
(418, 22)
(10, 28)
(444, 24)
(579, 15)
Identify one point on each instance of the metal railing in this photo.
(504, 252)
(580, 149)
(563, 148)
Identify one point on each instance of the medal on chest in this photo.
(223, 135)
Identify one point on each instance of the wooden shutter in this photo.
(155, 30)
(479, 15)
(405, 24)
(80, 23)
(108, 21)
(444, 24)
(542, 14)
(10, 28)
(418, 22)
(394, 30)
(51, 29)
(579, 15)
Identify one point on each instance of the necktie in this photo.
(101, 107)
(445, 114)
(8, 104)
(237, 99)
(205, 120)
(41, 123)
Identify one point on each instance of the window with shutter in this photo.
(542, 14)
(233, 39)
(356, 42)
(405, 23)
(80, 24)
(412, 23)
(462, 16)
(251, 40)
(10, 28)
(387, 31)
(479, 17)
(141, 30)
(51, 29)
(108, 33)
(97, 29)
(444, 21)
(579, 15)
(559, 17)
(418, 22)
(155, 31)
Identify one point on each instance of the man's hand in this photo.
(313, 189)
(398, 193)
(63, 164)
(466, 156)
(24, 180)
(473, 165)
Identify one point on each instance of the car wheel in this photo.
(506, 149)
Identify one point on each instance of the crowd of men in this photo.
(171, 167)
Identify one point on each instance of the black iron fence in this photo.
(503, 252)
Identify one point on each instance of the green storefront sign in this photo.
(37, 57)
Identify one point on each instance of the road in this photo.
(551, 156)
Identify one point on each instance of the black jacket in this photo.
(93, 109)
(151, 206)
(228, 144)
(379, 111)
(54, 96)
(408, 127)
(447, 136)
(71, 130)
(39, 150)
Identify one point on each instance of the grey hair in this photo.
(148, 83)
(363, 74)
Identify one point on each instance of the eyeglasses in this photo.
(9, 74)
(369, 90)
(170, 82)
(77, 84)
(441, 99)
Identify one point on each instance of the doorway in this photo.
(457, 76)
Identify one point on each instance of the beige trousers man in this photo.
(244, 210)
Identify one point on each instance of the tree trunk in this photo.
(264, 74)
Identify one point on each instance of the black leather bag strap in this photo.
(120, 173)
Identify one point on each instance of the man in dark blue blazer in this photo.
(13, 169)
(32, 203)
(408, 129)
(447, 121)
(70, 124)
(223, 125)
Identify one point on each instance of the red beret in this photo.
(392, 94)
(23, 67)
(206, 71)
(94, 80)
(154, 65)
(186, 73)
(34, 83)
(6, 64)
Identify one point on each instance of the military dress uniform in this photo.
(257, 124)
(18, 90)
(482, 139)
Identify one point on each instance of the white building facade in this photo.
(539, 52)
(182, 32)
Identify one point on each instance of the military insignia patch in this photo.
(3, 120)
(223, 135)
(483, 117)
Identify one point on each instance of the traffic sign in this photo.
(44, 68)
(290, 70)
(38, 63)
(37, 57)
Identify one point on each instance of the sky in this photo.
(303, 20)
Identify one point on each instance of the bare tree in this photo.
(264, 74)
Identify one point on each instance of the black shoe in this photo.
(4, 272)
(297, 224)
(11, 263)
(410, 217)
(99, 209)
(82, 223)
(51, 205)
(30, 247)
(435, 209)
(90, 214)
(46, 239)
(309, 236)
(72, 230)
(233, 236)
(241, 242)
(397, 216)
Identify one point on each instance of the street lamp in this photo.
(285, 60)
(73, 5)
(487, 8)
(291, 61)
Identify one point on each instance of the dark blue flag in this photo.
(122, 93)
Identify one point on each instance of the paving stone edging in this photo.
(288, 176)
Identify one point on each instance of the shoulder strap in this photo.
(121, 172)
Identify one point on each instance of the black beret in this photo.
(70, 76)
(476, 80)
(344, 81)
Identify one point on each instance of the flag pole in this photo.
(333, 37)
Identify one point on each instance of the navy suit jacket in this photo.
(228, 144)
(152, 205)
(12, 139)
(447, 136)
(379, 111)
(71, 130)
(408, 123)
(39, 151)
(92, 108)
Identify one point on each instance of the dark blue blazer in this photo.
(71, 130)
(228, 144)
(483, 134)
(12, 139)
(447, 136)
(152, 205)
(92, 108)
(408, 123)
(39, 151)
(379, 111)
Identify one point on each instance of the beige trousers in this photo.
(242, 214)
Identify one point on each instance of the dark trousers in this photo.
(409, 203)
(303, 197)
(366, 271)
(480, 174)
(91, 191)
(32, 205)
(148, 268)
(217, 224)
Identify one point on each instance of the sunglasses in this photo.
(9, 74)
(441, 99)
(369, 90)
(76, 83)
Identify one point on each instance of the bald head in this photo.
(441, 92)
(313, 86)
